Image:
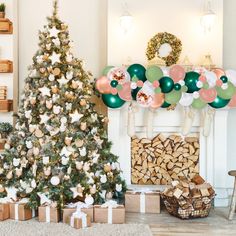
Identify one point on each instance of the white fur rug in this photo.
(34, 228)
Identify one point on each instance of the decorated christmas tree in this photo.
(59, 149)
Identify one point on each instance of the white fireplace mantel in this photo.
(213, 149)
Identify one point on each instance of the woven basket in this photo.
(188, 208)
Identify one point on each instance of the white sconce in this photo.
(126, 20)
(208, 18)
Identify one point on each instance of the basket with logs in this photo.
(189, 199)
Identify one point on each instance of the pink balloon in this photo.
(114, 91)
(140, 83)
(158, 100)
(177, 73)
(125, 93)
(156, 84)
(232, 102)
(103, 85)
(219, 72)
(208, 95)
(203, 79)
(219, 83)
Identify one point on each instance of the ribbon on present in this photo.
(78, 215)
(110, 205)
(22, 201)
(5, 200)
(78, 205)
(47, 213)
(142, 198)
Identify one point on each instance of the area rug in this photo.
(34, 228)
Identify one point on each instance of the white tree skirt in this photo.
(34, 228)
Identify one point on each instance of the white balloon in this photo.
(211, 78)
(145, 95)
(186, 99)
(231, 74)
(165, 70)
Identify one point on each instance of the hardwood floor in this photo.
(165, 225)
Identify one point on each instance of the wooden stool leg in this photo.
(233, 202)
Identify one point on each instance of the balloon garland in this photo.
(167, 39)
(153, 88)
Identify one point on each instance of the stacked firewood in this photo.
(189, 199)
(164, 159)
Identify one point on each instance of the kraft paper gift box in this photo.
(109, 213)
(72, 207)
(78, 220)
(143, 202)
(4, 211)
(49, 214)
(20, 211)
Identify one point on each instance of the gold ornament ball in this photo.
(107, 168)
(56, 71)
(83, 102)
(83, 126)
(54, 89)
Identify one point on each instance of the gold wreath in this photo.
(155, 43)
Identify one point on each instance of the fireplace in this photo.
(212, 159)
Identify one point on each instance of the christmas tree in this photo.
(59, 149)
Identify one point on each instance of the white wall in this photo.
(230, 62)
(6, 53)
(181, 18)
(87, 25)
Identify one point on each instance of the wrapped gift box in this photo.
(20, 211)
(4, 211)
(109, 215)
(49, 214)
(69, 211)
(79, 222)
(144, 202)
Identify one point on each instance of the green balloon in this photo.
(191, 80)
(157, 90)
(165, 105)
(184, 89)
(177, 87)
(106, 70)
(226, 93)
(112, 101)
(114, 83)
(224, 79)
(138, 71)
(134, 93)
(219, 102)
(198, 104)
(173, 97)
(153, 73)
(166, 84)
(206, 86)
(119, 87)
